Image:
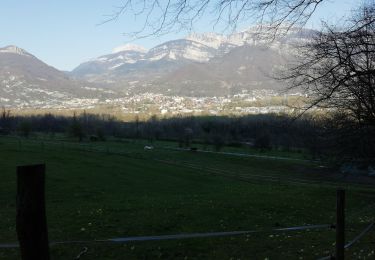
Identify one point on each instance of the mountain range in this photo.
(199, 65)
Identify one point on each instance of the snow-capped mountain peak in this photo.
(182, 49)
(14, 50)
(129, 47)
(259, 35)
(212, 40)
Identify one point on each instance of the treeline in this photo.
(330, 137)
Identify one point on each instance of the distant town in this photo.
(255, 102)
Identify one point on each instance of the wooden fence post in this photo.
(340, 225)
(31, 220)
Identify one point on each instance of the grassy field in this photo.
(116, 189)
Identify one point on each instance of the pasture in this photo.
(114, 189)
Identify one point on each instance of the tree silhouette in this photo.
(337, 69)
(76, 129)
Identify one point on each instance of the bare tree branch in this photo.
(162, 17)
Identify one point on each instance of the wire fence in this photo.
(201, 235)
(354, 240)
(179, 236)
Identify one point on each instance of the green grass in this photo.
(99, 194)
(239, 149)
(293, 154)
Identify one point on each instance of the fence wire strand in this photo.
(178, 236)
(354, 240)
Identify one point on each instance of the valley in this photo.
(201, 74)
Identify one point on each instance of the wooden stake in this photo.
(340, 225)
(31, 214)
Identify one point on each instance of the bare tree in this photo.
(161, 17)
(5, 121)
(337, 69)
(76, 128)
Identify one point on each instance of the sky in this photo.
(66, 33)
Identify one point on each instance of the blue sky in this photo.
(64, 33)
